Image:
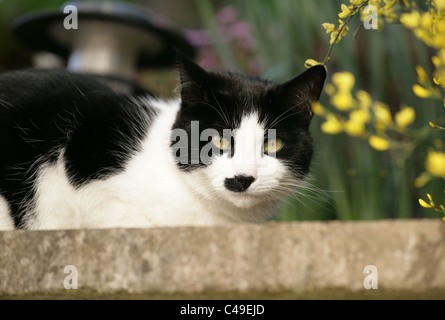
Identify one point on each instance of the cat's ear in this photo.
(193, 79)
(303, 90)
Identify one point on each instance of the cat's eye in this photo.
(221, 143)
(273, 145)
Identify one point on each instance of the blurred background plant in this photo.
(350, 179)
(388, 131)
(374, 69)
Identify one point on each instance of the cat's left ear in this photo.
(194, 80)
(303, 90)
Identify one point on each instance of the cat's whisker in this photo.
(279, 118)
(224, 114)
(220, 113)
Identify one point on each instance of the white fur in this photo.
(6, 222)
(152, 191)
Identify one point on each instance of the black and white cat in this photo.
(74, 154)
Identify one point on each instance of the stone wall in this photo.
(306, 260)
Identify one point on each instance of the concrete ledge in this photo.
(279, 260)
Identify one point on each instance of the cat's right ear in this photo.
(193, 80)
(303, 90)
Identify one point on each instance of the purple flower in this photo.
(227, 15)
(198, 38)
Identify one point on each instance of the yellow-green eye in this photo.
(221, 143)
(273, 146)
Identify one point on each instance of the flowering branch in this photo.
(342, 29)
(356, 115)
(431, 205)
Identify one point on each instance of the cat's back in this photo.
(32, 105)
(43, 111)
(46, 115)
(29, 83)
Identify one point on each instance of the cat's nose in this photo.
(238, 183)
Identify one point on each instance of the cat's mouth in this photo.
(243, 194)
(244, 199)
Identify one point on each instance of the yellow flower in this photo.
(426, 21)
(357, 120)
(439, 25)
(361, 115)
(311, 62)
(440, 4)
(332, 125)
(334, 37)
(424, 35)
(382, 113)
(421, 75)
(343, 80)
(329, 27)
(379, 143)
(382, 116)
(355, 128)
(440, 80)
(410, 20)
(435, 126)
(318, 109)
(405, 117)
(424, 204)
(422, 180)
(364, 99)
(356, 2)
(342, 100)
(439, 40)
(344, 11)
(420, 91)
(342, 25)
(329, 88)
(435, 163)
(436, 61)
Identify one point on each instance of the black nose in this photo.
(238, 183)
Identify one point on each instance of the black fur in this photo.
(45, 111)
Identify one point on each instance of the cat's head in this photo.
(242, 139)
